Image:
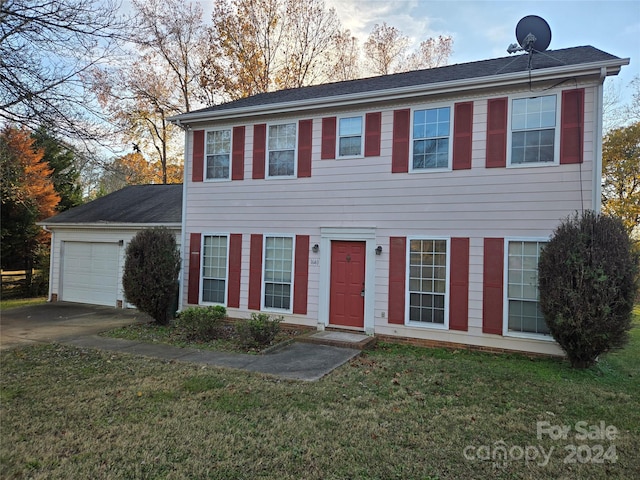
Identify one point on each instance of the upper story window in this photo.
(214, 268)
(431, 132)
(350, 137)
(428, 281)
(533, 130)
(281, 145)
(218, 154)
(524, 314)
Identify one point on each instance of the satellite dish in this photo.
(533, 33)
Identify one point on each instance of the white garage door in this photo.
(90, 273)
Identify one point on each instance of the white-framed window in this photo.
(215, 250)
(523, 314)
(534, 133)
(281, 146)
(350, 137)
(218, 155)
(278, 273)
(428, 281)
(431, 138)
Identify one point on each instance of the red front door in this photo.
(347, 284)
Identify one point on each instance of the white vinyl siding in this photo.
(218, 155)
(533, 130)
(214, 268)
(350, 137)
(281, 145)
(476, 203)
(523, 306)
(431, 131)
(278, 273)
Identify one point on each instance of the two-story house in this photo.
(411, 206)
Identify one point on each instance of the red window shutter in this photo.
(193, 294)
(400, 147)
(305, 128)
(301, 275)
(235, 265)
(462, 135)
(459, 285)
(255, 272)
(197, 167)
(497, 109)
(237, 154)
(492, 292)
(328, 150)
(259, 149)
(572, 130)
(373, 125)
(397, 279)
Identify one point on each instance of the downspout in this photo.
(596, 200)
(51, 254)
(183, 234)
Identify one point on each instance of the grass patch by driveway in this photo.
(21, 302)
(394, 412)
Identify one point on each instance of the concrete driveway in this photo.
(60, 320)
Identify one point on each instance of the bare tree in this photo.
(261, 45)
(173, 32)
(385, 48)
(310, 32)
(46, 50)
(139, 98)
(163, 79)
(345, 64)
(431, 53)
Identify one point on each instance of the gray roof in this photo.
(461, 71)
(135, 204)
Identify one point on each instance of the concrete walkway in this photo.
(78, 325)
(296, 361)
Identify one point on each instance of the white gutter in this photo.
(183, 226)
(106, 225)
(612, 67)
(596, 199)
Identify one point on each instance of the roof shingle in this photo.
(135, 204)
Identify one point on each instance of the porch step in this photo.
(358, 341)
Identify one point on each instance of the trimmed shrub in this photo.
(151, 269)
(201, 323)
(588, 282)
(258, 331)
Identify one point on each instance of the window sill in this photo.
(431, 326)
(533, 165)
(216, 180)
(529, 336)
(431, 170)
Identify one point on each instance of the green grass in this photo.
(394, 412)
(21, 302)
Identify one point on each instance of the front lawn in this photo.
(395, 412)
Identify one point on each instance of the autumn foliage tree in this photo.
(28, 195)
(621, 174)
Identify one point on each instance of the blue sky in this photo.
(484, 29)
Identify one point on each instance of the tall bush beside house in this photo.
(151, 269)
(588, 276)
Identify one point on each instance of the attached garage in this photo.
(89, 242)
(94, 282)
